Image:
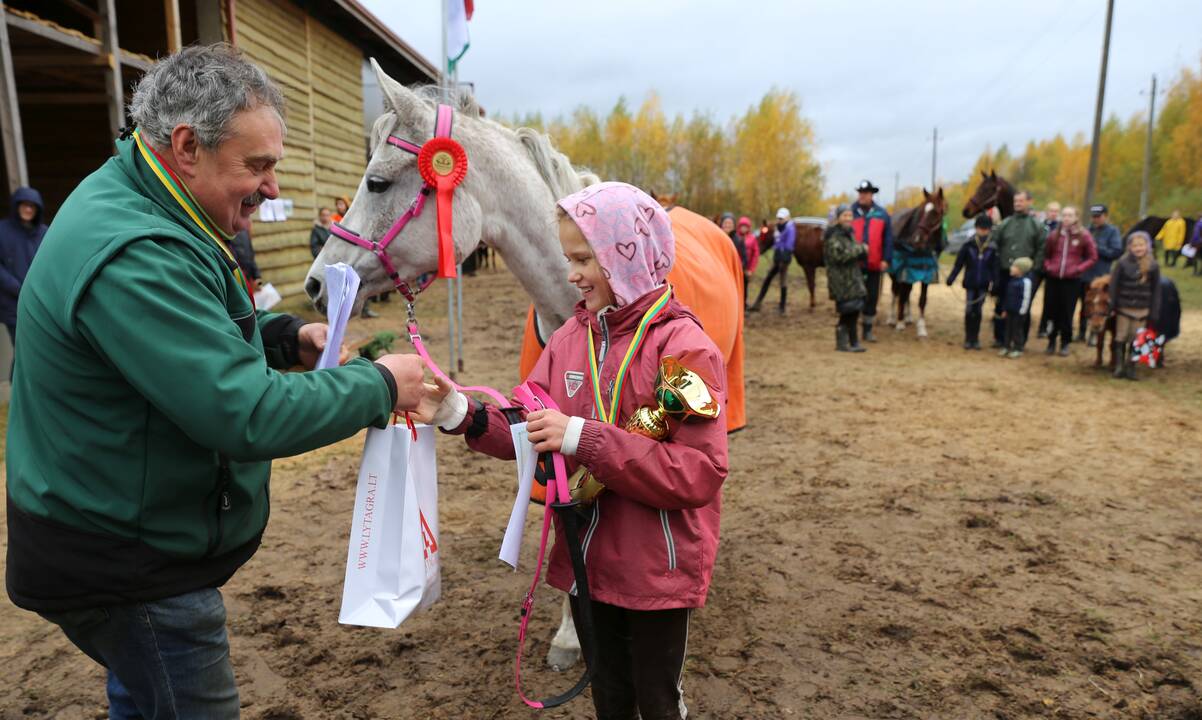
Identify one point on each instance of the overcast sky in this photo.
(874, 82)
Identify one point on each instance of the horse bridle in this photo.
(442, 128)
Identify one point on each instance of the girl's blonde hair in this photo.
(1145, 262)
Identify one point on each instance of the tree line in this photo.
(751, 164)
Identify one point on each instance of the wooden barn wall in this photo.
(324, 155)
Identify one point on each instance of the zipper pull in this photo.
(225, 500)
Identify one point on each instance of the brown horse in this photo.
(994, 191)
(1101, 321)
(918, 240)
(808, 249)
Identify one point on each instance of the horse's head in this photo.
(1097, 303)
(988, 194)
(391, 185)
(930, 223)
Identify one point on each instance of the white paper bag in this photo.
(392, 561)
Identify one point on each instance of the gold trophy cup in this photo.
(680, 394)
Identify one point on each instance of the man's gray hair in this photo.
(202, 86)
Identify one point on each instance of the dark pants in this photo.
(1017, 327)
(640, 660)
(873, 281)
(974, 309)
(999, 325)
(780, 265)
(848, 320)
(167, 659)
(1061, 296)
(1170, 257)
(1045, 316)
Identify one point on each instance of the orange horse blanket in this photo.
(708, 278)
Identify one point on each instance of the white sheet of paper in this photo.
(266, 211)
(342, 284)
(267, 297)
(511, 544)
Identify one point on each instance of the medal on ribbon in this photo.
(443, 165)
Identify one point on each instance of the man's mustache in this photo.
(253, 199)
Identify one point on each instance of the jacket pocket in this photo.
(222, 504)
(669, 542)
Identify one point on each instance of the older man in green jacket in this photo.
(1020, 235)
(147, 402)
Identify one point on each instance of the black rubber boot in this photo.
(1120, 364)
(856, 347)
(841, 342)
(784, 299)
(1129, 365)
(867, 325)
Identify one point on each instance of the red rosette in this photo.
(443, 165)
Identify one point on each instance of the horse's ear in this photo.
(939, 193)
(397, 98)
(926, 195)
(983, 175)
(992, 174)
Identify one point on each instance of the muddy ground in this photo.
(917, 532)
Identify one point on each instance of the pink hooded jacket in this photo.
(652, 538)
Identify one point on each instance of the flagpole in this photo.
(444, 93)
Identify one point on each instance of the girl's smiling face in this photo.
(584, 271)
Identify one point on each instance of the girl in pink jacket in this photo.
(651, 537)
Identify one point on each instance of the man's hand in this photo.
(311, 341)
(546, 429)
(409, 373)
(884, 267)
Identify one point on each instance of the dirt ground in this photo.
(916, 532)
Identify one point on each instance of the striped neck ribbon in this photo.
(188, 203)
(640, 334)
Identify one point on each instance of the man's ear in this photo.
(185, 148)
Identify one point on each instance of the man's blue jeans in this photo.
(167, 659)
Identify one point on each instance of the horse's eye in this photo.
(377, 184)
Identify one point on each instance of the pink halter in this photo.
(442, 128)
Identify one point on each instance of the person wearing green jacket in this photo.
(147, 399)
(1020, 235)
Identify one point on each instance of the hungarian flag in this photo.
(458, 13)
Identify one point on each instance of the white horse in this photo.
(506, 201)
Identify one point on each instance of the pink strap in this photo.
(442, 122)
(415, 337)
(404, 144)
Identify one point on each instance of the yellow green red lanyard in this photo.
(191, 207)
(640, 334)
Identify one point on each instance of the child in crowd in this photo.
(752, 248)
(979, 260)
(1016, 307)
(1134, 297)
(653, 534)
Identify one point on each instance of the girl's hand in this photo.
(546, 429)
(428, 408)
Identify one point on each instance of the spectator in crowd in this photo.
(751, 253)
(782, 256)
(342, 206)
(20, 236)
(321, 231)
(1017, 307)
(842, 256)
(765, 236)
(728, 226)
(1069, 253)
(1134, 297)
(1172, 235)
(1051, 216)
(1051, 221)
(244, 253)
(873, 229)
(979, 261)
(139, 336)
(1109, 242)
(1018, 236)
(1195, 242)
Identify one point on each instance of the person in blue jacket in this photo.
(20, 236)
(782, 257)
(978, 259)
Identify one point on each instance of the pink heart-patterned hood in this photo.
(630, 233)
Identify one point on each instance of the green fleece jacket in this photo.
(147, 403)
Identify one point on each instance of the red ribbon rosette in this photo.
(443, 165)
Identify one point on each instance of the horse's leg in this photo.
(811, 272)
(922, 311)
(903, 303)
(565, 646)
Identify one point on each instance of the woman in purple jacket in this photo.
(782, 256)
(1069, 252)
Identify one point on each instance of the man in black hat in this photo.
(871, 227)
(1110, 246)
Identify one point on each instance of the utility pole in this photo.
(896, 188)
(1143, 190)
(934, 154)
(1091, 181)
